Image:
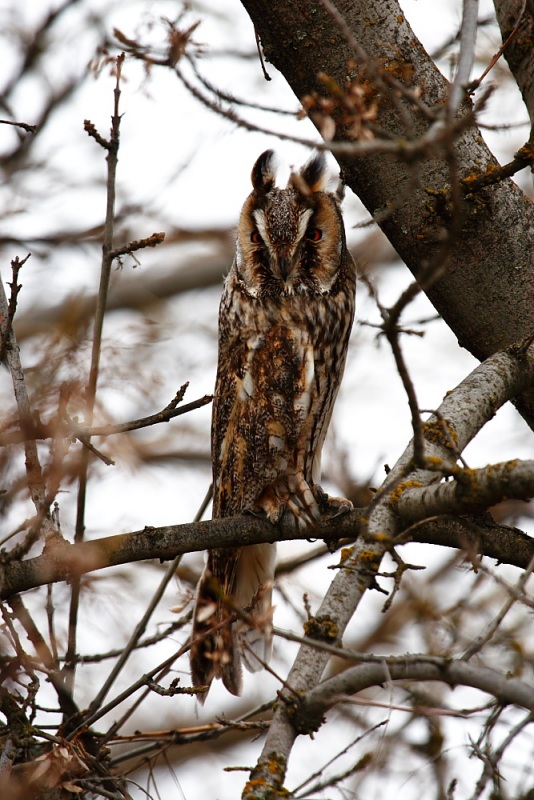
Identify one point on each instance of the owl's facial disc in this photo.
(284, 234)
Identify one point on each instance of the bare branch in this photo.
(112, 147)
(418, 668)
(63, 561)
(138, 244)
(33, 466)
(24, 125)
(470, 490)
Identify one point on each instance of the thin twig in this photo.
(24, 125)
(521, 20)
(84, 432)
(409, 150)
(33, 466)
(490, 630)
(138, 244)
(112, 148)
(143, 622)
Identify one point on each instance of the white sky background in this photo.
(165, 132)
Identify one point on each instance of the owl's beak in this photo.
(285, 260)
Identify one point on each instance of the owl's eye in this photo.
(255, 238)
(314, 234)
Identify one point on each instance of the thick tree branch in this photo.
(62, 561)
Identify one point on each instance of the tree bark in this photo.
(486, 293)
(519, 52)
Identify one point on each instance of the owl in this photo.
(284, 324)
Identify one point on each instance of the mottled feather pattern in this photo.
(284, 324)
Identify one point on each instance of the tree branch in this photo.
(504, 689)
(471, 490)
(62, 561)
(33, 467)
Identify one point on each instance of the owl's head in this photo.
(292, 240)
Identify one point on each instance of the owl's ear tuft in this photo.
(313, 173)
(263, 172)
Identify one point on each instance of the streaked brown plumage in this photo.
(284, 324)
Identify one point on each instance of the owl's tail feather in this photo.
(214, 651)
(253, 592)
(218, 644)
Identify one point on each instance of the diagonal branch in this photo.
(464, 411)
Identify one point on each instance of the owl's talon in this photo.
(275, 516)
(319, 493)
(321, 498)
(340, 505)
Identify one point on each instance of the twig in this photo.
(138, 684)
(499, 752)
(172, 690)
(319, 773)
(24, 125)
(143, 622)
(409, 150)
(112, 148)
(168, 413)
(146, 642)
(84, 433)
(490, 630)
(515, 30)
(495, 173)
(390, 327)
(7, 322)
(260, 56)
(136, 635)
(33, 466)
(238, 101)
(66, 702)
(137, 244)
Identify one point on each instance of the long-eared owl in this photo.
(284, 324)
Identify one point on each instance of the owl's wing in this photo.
(262, 398)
